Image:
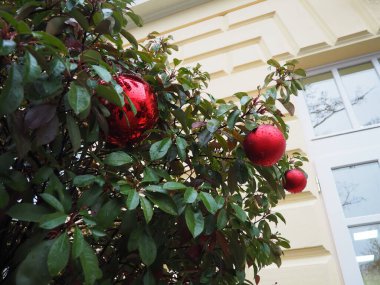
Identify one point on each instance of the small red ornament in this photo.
(265, 145)
(295, 180)
(124, 126)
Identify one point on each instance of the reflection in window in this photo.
(359, 189)
(366, 240)
(325, 105)
(329, 95)
(362, 85)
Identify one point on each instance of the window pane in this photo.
(363, 88)
(359, 189)
(325, 105)
(366, 240)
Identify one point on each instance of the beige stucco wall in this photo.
(233, 40)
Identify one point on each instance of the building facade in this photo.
(334, 224)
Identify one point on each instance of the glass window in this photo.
(325, 105)
(366, 241)
(359, 189)
(362, 85)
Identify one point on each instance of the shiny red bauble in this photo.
(124, 126)
(295, 180)
(265, 145)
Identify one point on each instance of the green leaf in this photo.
(91, 57)
(156, 188)
(174, 186)
(90, 197)
(204, 137)
(17, 181)
(147, 249)
(148, 278)
(147, 209)
(190, 195)
(300, 72)
(181, 147)
(134, 237)
(133, 199)
(4, 197)
(224, 108)
(108, 213)
(13, 92)
(50, 40)
(78, 243)
(74, 132)
(58, 254)
(51, 221)
(90, 265)
(130, 38)
(81, 19)
(109, 93)
(136, 19)
(6, 160)
(232, 118)
(281, 217)
(194, 221)
(131, 105)
(182, 118)
(164, 202)
(213, 125)
(150, 175)
(245, 99)
(52, 201)
(27, 212)
(209, 202)
(7, 46)
(84, 180)
(102, 72)
(273, 63)
(117, 158)
(79, 98)
(239, 212)
(222, 219)
(31, 68)
(34, 269)
(159, 149)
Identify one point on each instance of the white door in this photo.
(341, 115)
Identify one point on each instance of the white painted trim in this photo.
(363, 221)
(338, 223)
(333, 68)
(342, 64)
(346, 101)
(151, 10)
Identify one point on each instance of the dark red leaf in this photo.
(19, 133)
(223, 243)
(47, 133)
(39, 115)
(197, 125)
(257, 279)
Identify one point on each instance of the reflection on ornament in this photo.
(124, 126)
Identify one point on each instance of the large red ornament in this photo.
(265, 145)
(295, 180)
(124, 126)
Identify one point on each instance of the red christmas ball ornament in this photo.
(265, 145)
(295, 180)
(124, 126)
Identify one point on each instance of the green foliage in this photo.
(181, 206)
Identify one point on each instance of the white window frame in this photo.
(333, 68)
(350, 147)
(338, 222)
